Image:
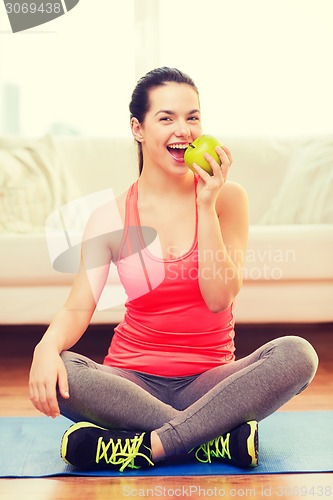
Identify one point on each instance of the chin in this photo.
(181, 170)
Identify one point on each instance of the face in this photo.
(170, 125)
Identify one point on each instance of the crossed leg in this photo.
(212, 404)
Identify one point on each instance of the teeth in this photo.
(178, 146)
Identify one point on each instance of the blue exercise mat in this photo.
(288, 442)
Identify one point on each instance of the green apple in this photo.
(196, 150)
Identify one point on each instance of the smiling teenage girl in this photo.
(170, 384)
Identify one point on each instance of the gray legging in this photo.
(189, 411)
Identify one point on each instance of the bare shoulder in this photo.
(104, 230)
(232, 198)
(110, 213)
(106, 222)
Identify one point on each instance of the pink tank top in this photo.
(167, 328)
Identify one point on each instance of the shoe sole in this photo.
(74, 428)
(252, 443)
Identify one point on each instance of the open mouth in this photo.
(177, 151)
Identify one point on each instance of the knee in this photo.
(67, 358)
(76, 362)
(302, 356)
(65, 355)
(71, 360)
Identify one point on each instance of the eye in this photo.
(165, 119)
(193, 118)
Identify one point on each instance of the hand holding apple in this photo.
(196, 150)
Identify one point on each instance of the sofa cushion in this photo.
(289, 252)
(306, 193)
(100, 162)
(33, 183)
(27, 262)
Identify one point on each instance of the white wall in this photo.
(262, 66)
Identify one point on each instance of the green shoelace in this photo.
(216, 448)
(121, 452)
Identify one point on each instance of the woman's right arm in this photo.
(47, 368)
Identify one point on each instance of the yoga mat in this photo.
(288, 442)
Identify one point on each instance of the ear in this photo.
(137, 130)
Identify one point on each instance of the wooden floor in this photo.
(17, 344)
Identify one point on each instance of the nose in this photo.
(182, 129)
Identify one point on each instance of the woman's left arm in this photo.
(222, 234)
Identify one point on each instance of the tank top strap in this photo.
(131, 209)
(131, 221)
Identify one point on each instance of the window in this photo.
(73, 75)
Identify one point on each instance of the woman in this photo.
(170, 385)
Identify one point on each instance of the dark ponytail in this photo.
(139, 104)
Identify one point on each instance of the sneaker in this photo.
(87, 446)
(239, 446)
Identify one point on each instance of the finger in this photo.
(228, 152)
(205, 176)
(45, 398)
(32, 393)
(40, 400)
(52, 401)
(216, 168)
(34, 397)
(225, 161)
(63, 383)
(223, 155)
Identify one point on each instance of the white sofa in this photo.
(289, 265)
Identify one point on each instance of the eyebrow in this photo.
(169, 112)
